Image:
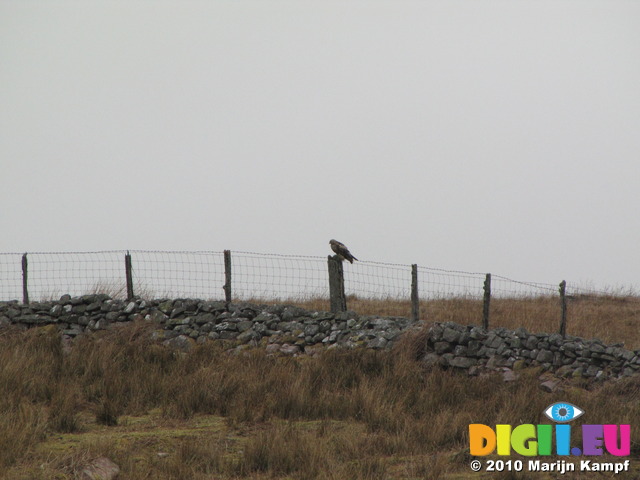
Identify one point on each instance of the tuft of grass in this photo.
(64, 413)
(280, 449)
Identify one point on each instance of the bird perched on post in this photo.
(342, 251)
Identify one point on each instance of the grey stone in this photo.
(216, 306)
(101, 468)
(344, 316)
(446, 359)
(493, 362)
(473, 371)
(228, 335)
(244, 325)
(311, 329)
(450, 335)
(205, 318)
(14, 312)
(442, 347)
(79, 309)
(555, 339)
(93, 307)
(521, 333)
(549, 386)
(462, 362)
(435, 333)
(288, 349)
(596, 348)
(176, 312)
(473, 348)
(32, 319)
(157, 316)
(478, 333)
(564, 371)
(460, 351)
(378, 343)
(247, 336)
(325, 325)
(431, 359)
(494, 341)
(514, 342)
(229, 326)
(291, 312)
(181, 342)
(591, 371)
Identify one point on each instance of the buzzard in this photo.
(342, 251)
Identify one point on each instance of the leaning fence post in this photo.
(227, 276)
(337, 297)
(25, 290)
(487, 302)
(563, 307)
(129, 275)
(415, 301)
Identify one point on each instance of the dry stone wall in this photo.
(474, 349)
(182, 322)
(292, 330)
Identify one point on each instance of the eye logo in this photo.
(563, 412)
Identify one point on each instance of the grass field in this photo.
(211, 414)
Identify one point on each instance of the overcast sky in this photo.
(489, 136)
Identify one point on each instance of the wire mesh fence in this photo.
(10, 276)
(374, 280)
(278, 277)
(436, 283)
(273, 277)
(164, 274)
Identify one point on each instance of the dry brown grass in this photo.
(344, 414)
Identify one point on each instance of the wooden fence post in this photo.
(129, 275)
(336, 285)
(227, 276)
(25, 290)
(415, 301)
(487, 302)
(563, 307)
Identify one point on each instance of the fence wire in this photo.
(10, 276)
(278, 277)
(434, 283)
(373, 280)
(164, 274)
(201, 274)
(502, 287)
